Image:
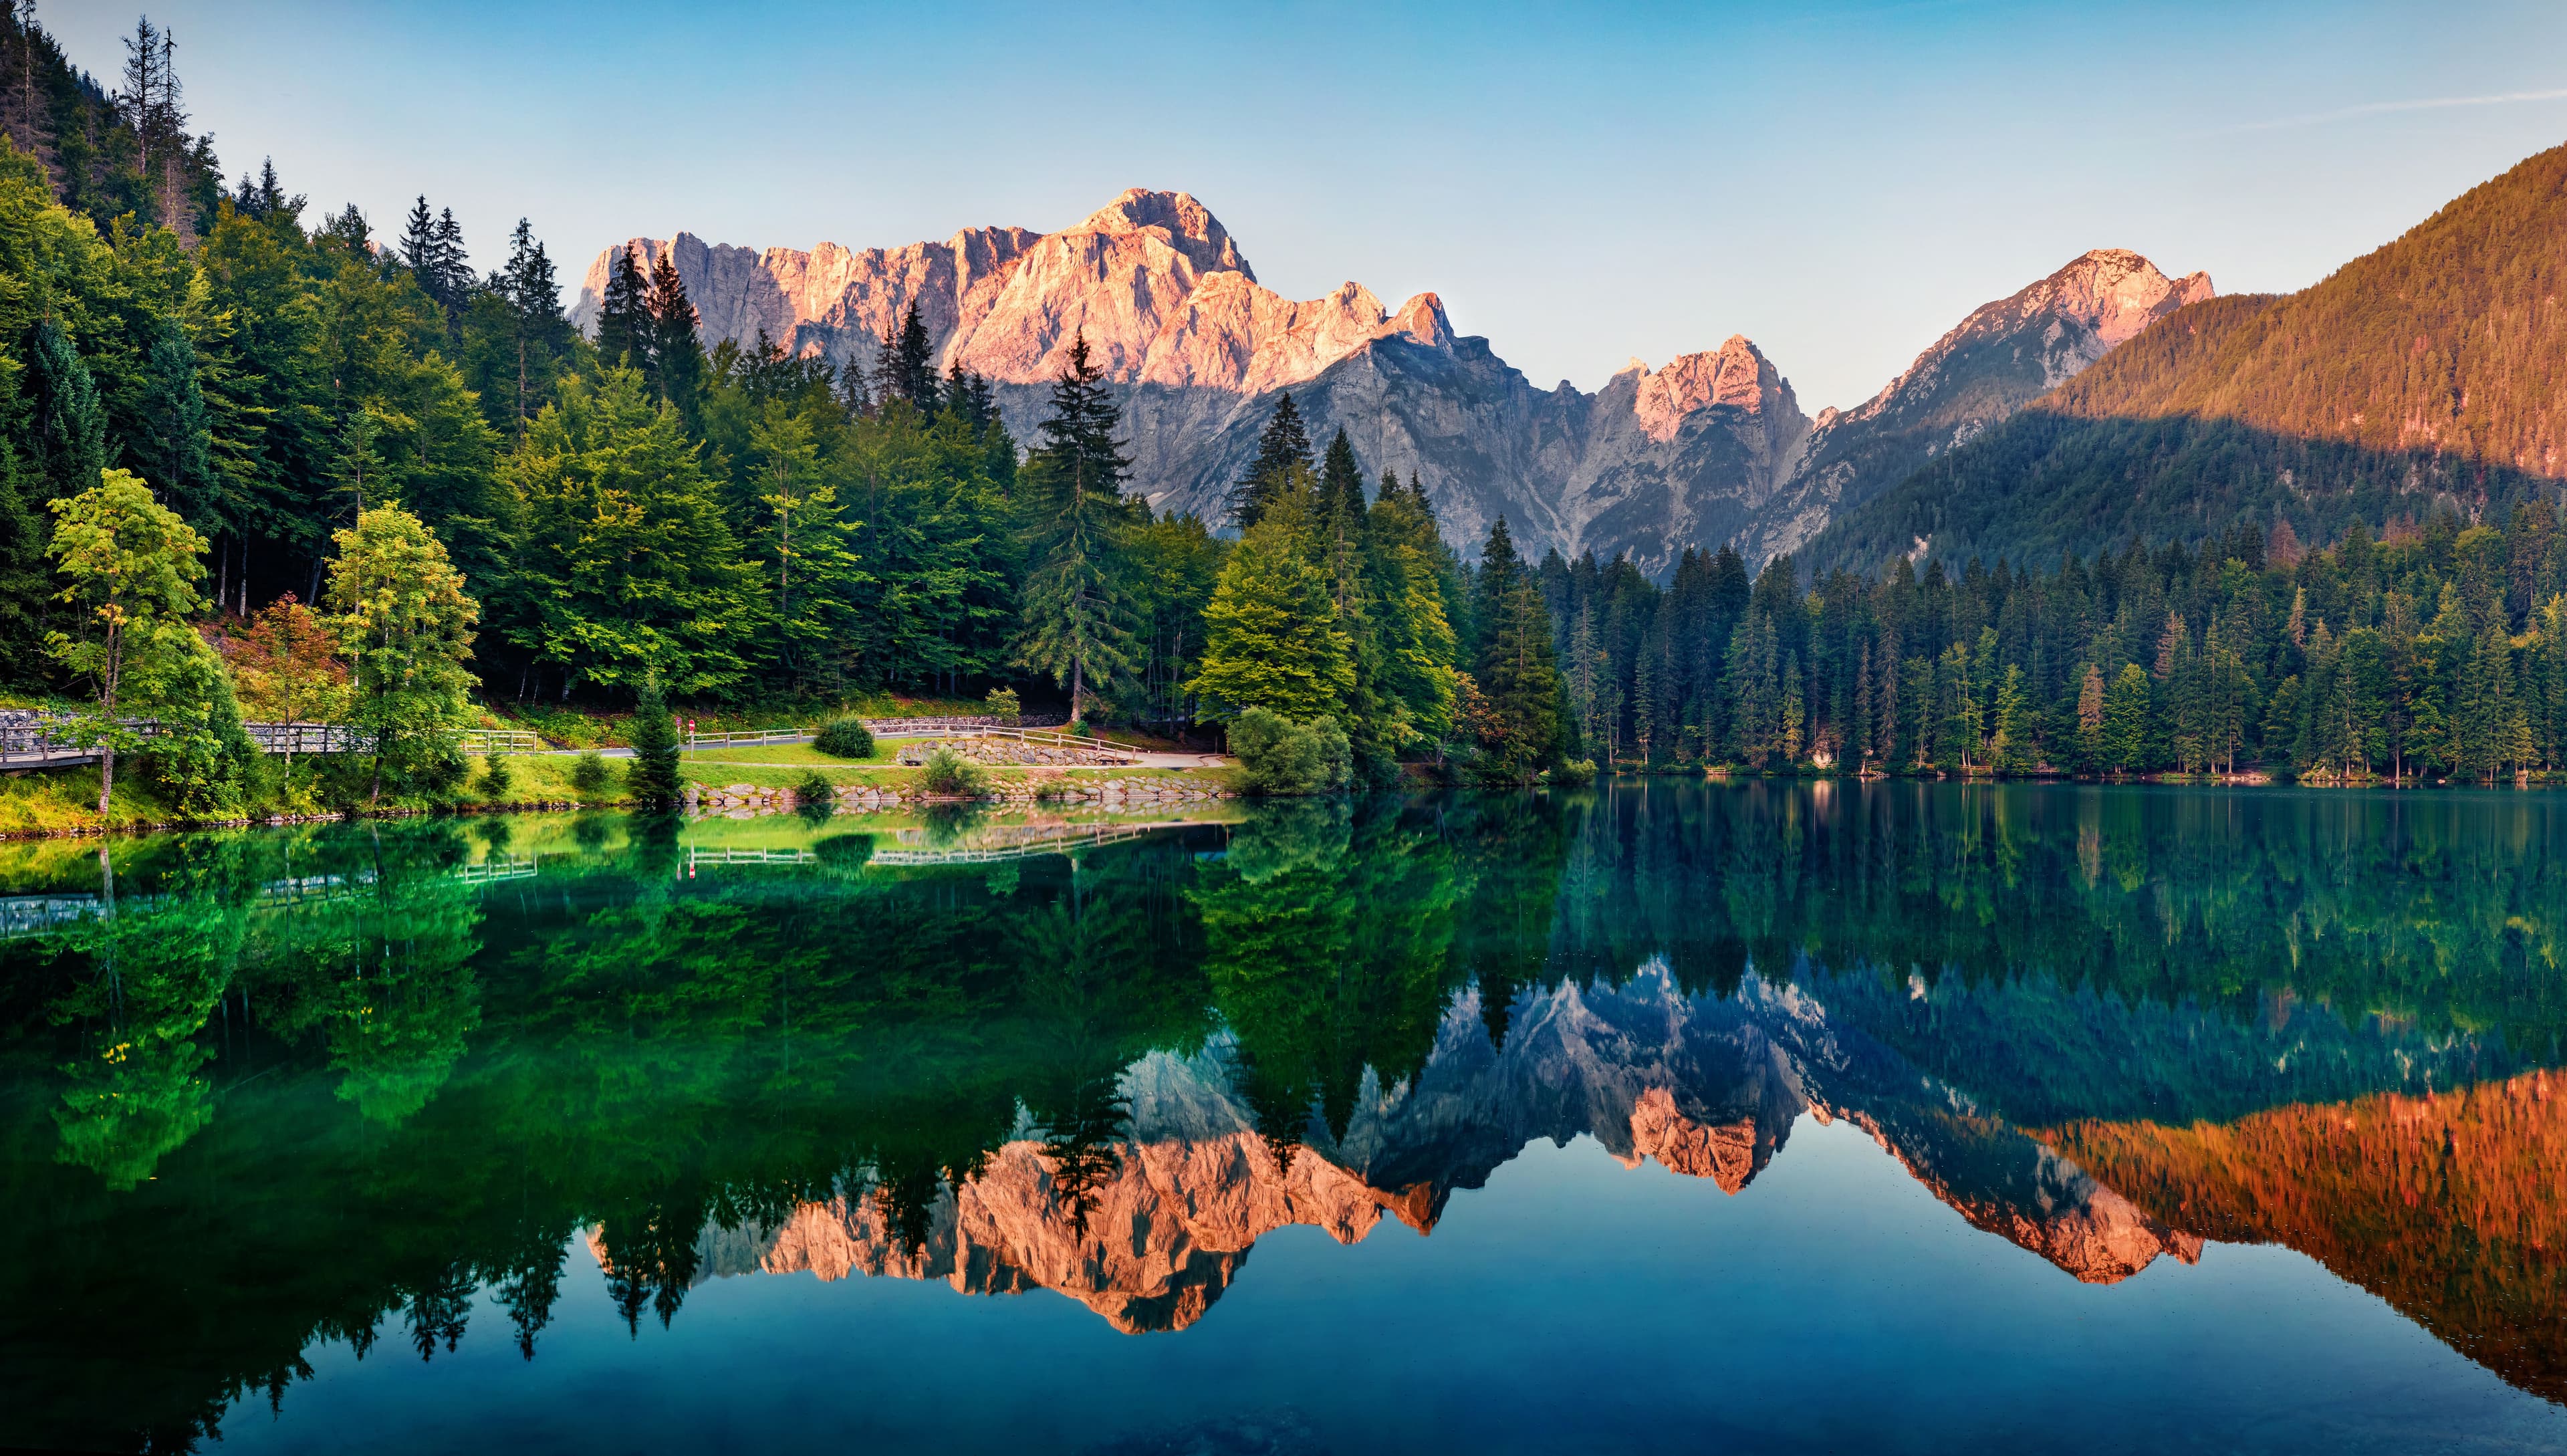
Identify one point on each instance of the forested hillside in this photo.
(2431, 374)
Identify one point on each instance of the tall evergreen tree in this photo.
(1281, 446)
(624, 323)
(909, 365)
(677, 354)
(1076, 625)
(67, 434)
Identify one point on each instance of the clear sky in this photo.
(1839, 182)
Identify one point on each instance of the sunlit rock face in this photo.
(1710, 447)
(1995, 362)
(1708, 1088)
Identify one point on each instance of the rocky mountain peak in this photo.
(2116, 292)
(1180, 221)
(1737, 375)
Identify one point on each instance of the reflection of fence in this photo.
(493, 871)
(695, 856)
(1033, 840)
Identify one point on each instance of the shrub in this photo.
(1281, 757)
(844, 851)
(590, 774)
(655, 750)
(845, 738)
(951, 773)
(1574, 772)
(1001, 704)
(496, 780)
(814, 798)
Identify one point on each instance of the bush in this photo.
(1573, 772)
(1281, 757)
(1001, 704)
(814, 798)
(845, 738)
(655, 777)
(496, 780)
(951, 774)
(590, 774)
(844, 851)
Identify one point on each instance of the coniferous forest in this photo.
(263, 460)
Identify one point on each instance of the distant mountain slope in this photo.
(1998, 360)
(2432, 370)
(1711, 448)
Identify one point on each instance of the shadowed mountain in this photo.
(2431, 373)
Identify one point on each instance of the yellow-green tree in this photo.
(404, 624)
(129, 570)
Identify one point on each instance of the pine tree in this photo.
(909, 363)
(656, 781)
(1076, 624)
(67, 434)
(677, 354)
(2126, 728)
(1283, 445)
(540, 333)
(623, 325)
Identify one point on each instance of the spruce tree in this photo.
(1517, 667)
(1075, 621)
(421, 250)
(912, 361)
(1283, 445)
(655, 779)
(540, 333)
(623, 315)
(67, 428)
(677, 354)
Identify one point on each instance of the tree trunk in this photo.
(106, 775)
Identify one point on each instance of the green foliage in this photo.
(496, 779)
(1000, 703)
(814, 798)
(589, 774)
(653, 775)
(1572, 772)
(844, 738)
(1282, 756)
(405, 625)
(949, 772)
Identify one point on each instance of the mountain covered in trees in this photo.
(2430, 375)
(1712, 446)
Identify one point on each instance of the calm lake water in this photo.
(1666, 1116)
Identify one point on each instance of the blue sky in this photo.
(1838, 181)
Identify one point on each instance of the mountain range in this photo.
(1711, 446)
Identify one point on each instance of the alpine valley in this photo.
(1710, 447)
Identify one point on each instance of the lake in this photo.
(1665, 1116)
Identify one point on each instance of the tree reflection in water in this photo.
(299, 1084)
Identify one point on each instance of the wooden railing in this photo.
(747, 738)
(501, 741)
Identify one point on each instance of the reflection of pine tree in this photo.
(1085, 1146)
(651, 1259)
(438, 1311)
(528, 1291)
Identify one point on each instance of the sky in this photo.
(1839, 180)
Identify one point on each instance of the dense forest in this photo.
(2435, 649)
(250, 464)
(205, 392)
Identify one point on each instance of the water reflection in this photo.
(267, 1089)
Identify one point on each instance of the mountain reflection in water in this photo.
(266, 1090)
